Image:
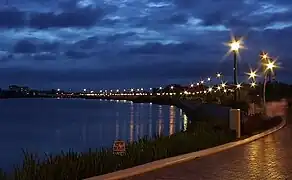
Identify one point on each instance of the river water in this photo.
(52, 125)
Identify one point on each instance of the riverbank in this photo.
(202, 133)
(97, 162)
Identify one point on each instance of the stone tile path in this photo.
(269, 158)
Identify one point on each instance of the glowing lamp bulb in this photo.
(235, 45)
(270, 65)
(253, 84)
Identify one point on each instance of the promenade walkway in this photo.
(268, 158)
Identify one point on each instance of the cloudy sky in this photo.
(135, 43)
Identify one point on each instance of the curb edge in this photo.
(140, 169)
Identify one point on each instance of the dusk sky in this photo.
(97, 44)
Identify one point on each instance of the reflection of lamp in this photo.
(150, 121)
(185, 121)
(171, 120)
(160, 120)
(117, 126)
(132, 122)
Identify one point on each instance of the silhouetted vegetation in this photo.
(73, 165)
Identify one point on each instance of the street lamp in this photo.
(238, 86)
(270, 65)
(235, 45)
(252, 74)
(265, 59)
(223, 85)
(253, 84)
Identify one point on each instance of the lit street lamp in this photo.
(235, 45)
(252, 74)
(253, 84)
(270, 65)
(264, 60)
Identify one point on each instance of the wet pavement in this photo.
(268, 158)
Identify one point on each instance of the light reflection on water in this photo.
(50, 125)
(160, 123)
(171, 120)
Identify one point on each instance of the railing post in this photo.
(234, 121)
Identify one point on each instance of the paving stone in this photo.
(268, 158)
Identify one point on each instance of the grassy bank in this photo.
(72, 165)
(202, 133)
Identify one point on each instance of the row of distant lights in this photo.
(209, 90)
(140, 92)
(162, 94)
(252, 75)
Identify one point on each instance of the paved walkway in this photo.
(269, 158)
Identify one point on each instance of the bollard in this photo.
(234, 121)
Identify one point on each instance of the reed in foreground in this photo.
(75, 166)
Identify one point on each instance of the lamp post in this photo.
(269, 66)
(235, 45)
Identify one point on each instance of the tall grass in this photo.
(75, 166)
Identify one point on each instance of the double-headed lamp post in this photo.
(235, 46)
(269, 69)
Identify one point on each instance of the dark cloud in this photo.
(71, 54)
(138, 54)
(71, 16)
(167, 49)
(239, 15)
(12, 18)
(48, 46)
(79, 18)
(186, 3)
(44, 57)
(25, 46)
(178, 18)
(68, 4)
(119, 36)
(87, 43)
(128, 75)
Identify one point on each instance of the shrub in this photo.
(257, 122)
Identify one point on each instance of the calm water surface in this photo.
(52, 125)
